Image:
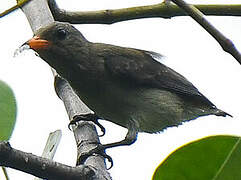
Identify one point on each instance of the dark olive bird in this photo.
(123, 85)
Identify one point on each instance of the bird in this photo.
(126, 86)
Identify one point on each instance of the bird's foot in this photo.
(87, 117)
(98, 150)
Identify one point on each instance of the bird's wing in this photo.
(141, 68)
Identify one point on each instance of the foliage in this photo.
(8, 111)
(214, 157)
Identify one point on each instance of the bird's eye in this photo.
(61, 34)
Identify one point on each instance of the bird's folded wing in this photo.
(142, 69)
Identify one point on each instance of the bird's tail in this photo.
(222, 113)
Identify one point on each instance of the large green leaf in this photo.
(8, 110)
(210, 158)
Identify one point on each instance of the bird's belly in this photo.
(112, 105)
(152, 109)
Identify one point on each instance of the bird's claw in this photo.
(99, 150)
(87, 117)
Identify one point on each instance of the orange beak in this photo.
(36, 43)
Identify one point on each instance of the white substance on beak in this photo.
(21, 49)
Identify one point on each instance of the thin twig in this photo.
(5, 173)
(18, 5)
(162, 10)
(198, 16)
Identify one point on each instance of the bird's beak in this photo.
(37, 43)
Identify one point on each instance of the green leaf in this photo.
(8, 111)
(210, 158)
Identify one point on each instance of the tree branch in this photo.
(85, 133)
(41, 167)
(197, 15)
(161, 10)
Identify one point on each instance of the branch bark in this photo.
(161, 10)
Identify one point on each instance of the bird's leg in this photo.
(87, 117)
(130, 138)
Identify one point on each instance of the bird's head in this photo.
(56, 35)
(59, 44)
